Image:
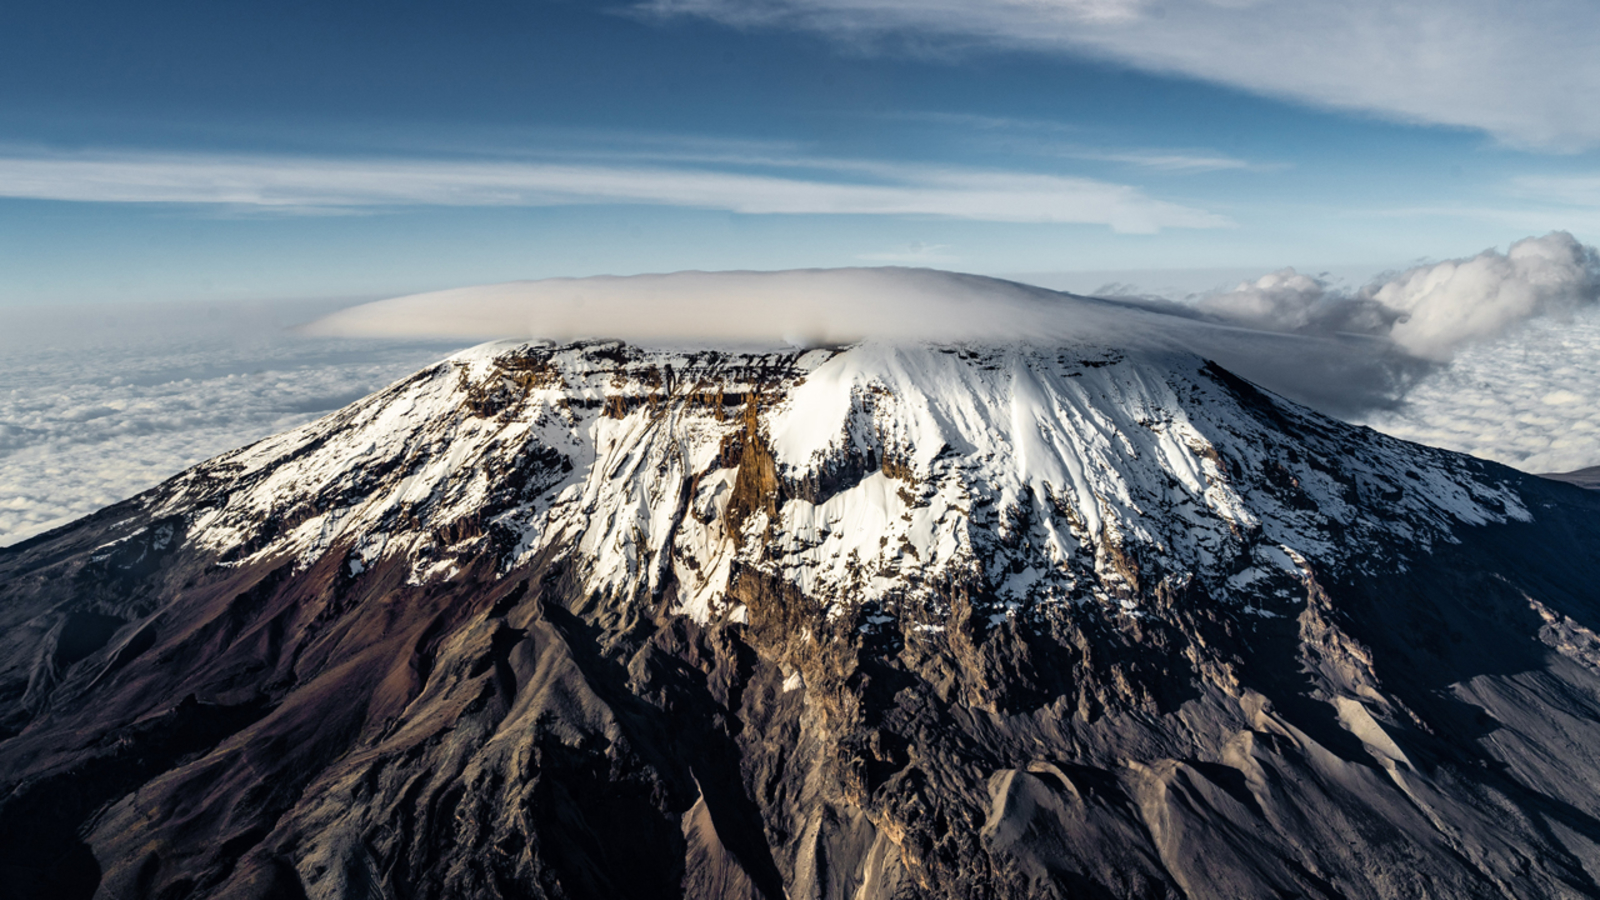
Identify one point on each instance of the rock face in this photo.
(867, 622)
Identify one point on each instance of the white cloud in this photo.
(301, 184)
(1530, 400)
(1566, 190)
(1056, 140)
(1332, 349)
(829, 306)
(1282, 301)
(1465, 301)
(1524, 72)
(825, 305)
(1172, 162)
(1509, 346)
(100, 403)
(1433, 310)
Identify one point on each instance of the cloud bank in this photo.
(105, 402)
(1429, 311)
(101, 403)
(1529, 400)
(805, 306)
(310, 184)
(1346, 353)
(832, 306)
(1523, 72)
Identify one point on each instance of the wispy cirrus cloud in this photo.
(1058, 140)
(1172, 162)
(916, 253)
(1523, 72)
(854, 188)
(1579, 190)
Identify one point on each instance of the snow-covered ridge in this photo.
(896, 477)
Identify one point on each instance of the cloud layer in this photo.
(1530, 399)
(826, 306)
(849, 188)
(1429, 311)
(809, 306)
(103, 402)
(1346, 353)
(1524, 72)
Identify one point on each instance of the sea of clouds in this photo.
(1530, 400)
(1496, 354)
(99, 403)
(1505, 346)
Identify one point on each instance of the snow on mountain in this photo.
(884, 480)
(886, 619)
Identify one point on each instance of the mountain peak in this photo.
(884, 619)
(881, 473)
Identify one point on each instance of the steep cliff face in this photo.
(870, 621)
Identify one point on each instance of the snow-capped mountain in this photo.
(877, 474)
(875, 620)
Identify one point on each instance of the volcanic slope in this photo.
(871, 621)
(1589, 478)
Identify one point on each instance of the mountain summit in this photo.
(881, 620)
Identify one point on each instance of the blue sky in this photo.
(204, 151)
